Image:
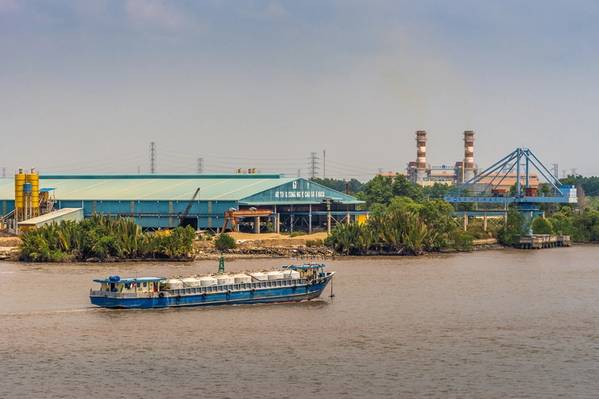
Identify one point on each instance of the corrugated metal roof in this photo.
(171, 187)
(54, 215)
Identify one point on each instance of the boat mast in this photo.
(221, 265)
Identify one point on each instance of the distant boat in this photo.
(291, 284)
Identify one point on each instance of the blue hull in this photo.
(269, 295)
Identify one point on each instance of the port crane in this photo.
(488, 187)
(185, 213)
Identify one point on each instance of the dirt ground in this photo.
(10, 241)
(266, 240)
(274, 240)
(275, 236)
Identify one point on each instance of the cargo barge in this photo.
(291, 284)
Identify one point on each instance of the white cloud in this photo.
(156, 13)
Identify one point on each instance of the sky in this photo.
(85, 86)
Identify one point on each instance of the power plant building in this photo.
(202, 201)
(424, 174)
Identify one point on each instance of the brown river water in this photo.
(495, 324)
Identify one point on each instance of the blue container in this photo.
(27, 188)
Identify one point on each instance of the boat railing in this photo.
(118, 294)
(268, 284)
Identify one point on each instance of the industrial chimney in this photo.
(420, 155)
(469, 168)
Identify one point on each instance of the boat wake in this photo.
(51, 312)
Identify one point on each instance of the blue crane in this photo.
(488, 187)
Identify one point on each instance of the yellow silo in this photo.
(34, 179)
(19, 197)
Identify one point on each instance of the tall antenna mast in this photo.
(200, 165)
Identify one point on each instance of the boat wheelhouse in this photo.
(292, 283)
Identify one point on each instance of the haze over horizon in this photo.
(85, 86)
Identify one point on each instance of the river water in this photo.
(492, 324)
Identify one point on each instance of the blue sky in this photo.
(86, 85)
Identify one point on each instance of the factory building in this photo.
(424, 174)
(252, 201)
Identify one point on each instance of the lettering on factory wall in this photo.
(299, 194)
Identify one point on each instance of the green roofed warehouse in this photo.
(202, 201)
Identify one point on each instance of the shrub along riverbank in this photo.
(581, 225)
(404, 227)
(102, 238)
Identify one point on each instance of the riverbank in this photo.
(248, 246)
(9, 248)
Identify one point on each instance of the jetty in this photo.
(539, 241)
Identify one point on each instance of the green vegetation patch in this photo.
(224, 242)
(104, 238)
(404, 226)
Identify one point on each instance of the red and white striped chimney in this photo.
(420, 155)
(468, 165)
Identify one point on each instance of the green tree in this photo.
(224, 242)
(437, 190)
(379, 190)
(540, 225)
(513, 229)
(404, 226)
(102, 237)
(404, 187)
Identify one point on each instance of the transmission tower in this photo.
(200, 165)
(555, 170)
(324, 164)
(152, 157)
(3, 172)
(313, 165)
